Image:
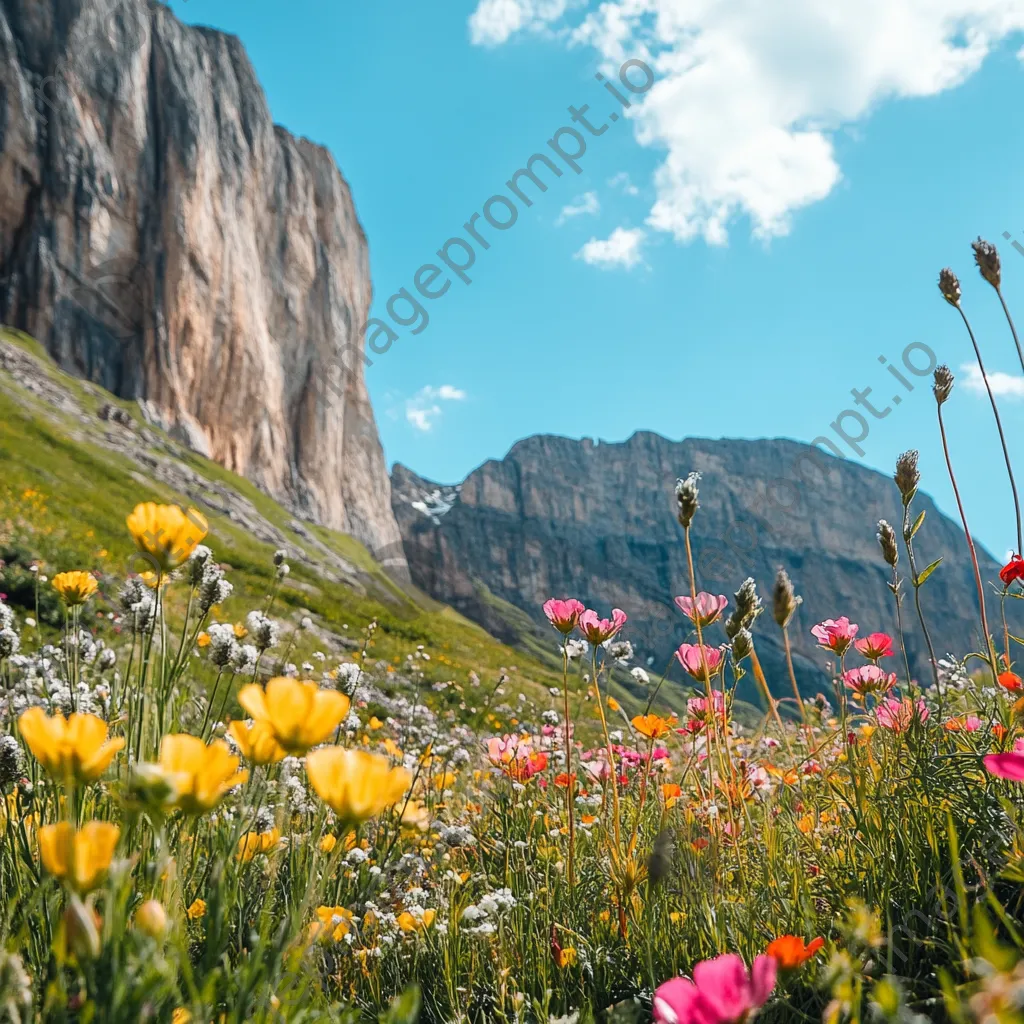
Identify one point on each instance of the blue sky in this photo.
(731, 261)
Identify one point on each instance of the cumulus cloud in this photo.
(620, 249)
(750, 95)
(585, 205)
(1003, 384)
(424, 409)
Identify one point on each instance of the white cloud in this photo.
(587, 204)
(621, 180)
(1002, 384)
(750, 95)
(423, 410)
(620, 249)
(494, 21)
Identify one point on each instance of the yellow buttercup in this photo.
(76, 748)
(75, 587)
(81, 858)
(299, 713)
(354, 784)
(202, 774)
(165, 534)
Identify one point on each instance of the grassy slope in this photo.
(64, 499)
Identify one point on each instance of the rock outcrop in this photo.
(164, 239)
(558, 517)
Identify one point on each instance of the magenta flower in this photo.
(689, 656)
(706, 610)
(835, 635)
(1005, 766)
(869, 679)
(722, 992)
(563, 615)
(875, 646)
(898, 715)
(596, 629)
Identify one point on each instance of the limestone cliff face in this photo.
(162, 237)
(565, 518)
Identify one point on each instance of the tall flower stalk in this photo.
(907, 477)
(949, 285)
(986, 256)
(942, 388)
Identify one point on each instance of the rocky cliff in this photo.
(558, 517)
(163, 238)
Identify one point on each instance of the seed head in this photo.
(687, 493)
(887, 542)
(746, 608)
(742, 645)
(949, 286)
(907, 476)
(943, 383)
(784, 601)
(12, 764)
(987, 257)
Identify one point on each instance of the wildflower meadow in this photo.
(207, 817)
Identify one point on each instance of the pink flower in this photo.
(1005, 766)
(689, 656)
(722, 992)
(597, 630)
(835, 635)
(503, 749)
(563, 615)
(869, 679)
(898, 715)
(875, 646)
(697, 707)
(706, 610)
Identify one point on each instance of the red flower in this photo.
(875, 646)
(1013, 570)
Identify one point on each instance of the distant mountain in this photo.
(596, 521)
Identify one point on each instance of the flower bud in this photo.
(784, 600)
(887, 541)
(943, 383)
(81, 930)
(746, 608)
(949, 286)
(987, 258)
(151, 919)
(907, 476)
(687, 493)
(742, 645)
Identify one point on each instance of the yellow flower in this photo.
(202, 774)
(375, 723)
(566, 957)
(613, 704)
(240, 631)
(333, 923)
(253, 843)
(298, 712)
(203, 640)
(408, 923)
(181, 1016)
(256, 742)
(75, 588)
(165, 534)
(196, 910)
(354, 784)
(79, 858)
(393, 749)
(328, 843)
(73, 748)
(151, 579)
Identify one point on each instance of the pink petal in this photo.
(762, 978)
(679, 1002)
(723, 982)
(1006, 766)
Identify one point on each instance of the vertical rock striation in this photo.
(162, 237)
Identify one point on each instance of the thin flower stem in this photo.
(1013, 330)
(999, 422)
(796, 689)
(908, 540)
(970, 547)
(570, 781)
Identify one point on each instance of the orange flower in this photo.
(1010, 681)
(790, 951)
(563, 779)
(671, 792)
(653, 726)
